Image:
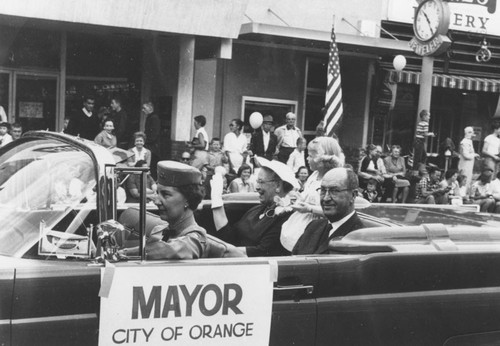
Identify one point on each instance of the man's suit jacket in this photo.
(257, 145)
(86, 127)
(315, 238)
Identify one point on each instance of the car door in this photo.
(294, 313)
(409, 298)
(6, 288)
(55, 303)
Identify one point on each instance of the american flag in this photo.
(333, 100)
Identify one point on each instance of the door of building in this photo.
(36, 101)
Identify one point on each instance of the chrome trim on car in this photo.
(54, 318)
(4, 322)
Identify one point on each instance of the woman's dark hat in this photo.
(173, 173)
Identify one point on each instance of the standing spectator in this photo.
(235, 144)
(396, 170)
(287, 137)
(419, 150)
(3, 115)
(428, 190)
(242, 183)
(297, 158)
(120, 121)
(263, 143)
(65, 125)
(491, 148)
(134, 185)
(16, 131)
(4, 135)
(200, 142)
(302, 175)
(85, 123)
(467, 155)
(139, 152)
(106, 138)
(152, 129)
(481, 193)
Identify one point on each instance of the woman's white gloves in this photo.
(217, 187)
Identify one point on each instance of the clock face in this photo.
(427, 20)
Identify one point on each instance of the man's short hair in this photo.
(17, 126)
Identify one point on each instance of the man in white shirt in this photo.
(287, 137)
(337, 194)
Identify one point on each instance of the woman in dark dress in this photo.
(258, 231)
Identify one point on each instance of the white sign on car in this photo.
(186, 304)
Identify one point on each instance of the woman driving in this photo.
(258, 231)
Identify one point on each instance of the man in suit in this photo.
(85, 123)
(337, 194)
(263, 143)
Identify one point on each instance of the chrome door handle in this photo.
(308, 288)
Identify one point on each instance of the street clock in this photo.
(430, 26)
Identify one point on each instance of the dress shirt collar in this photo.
(337, 224)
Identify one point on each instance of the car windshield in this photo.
(45, 184)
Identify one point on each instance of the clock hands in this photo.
(429, 22)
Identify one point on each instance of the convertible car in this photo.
(415, 276)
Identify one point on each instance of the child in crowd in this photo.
(422, 132)
(370, 193)
(297, 158)
(106, 138)
(4, 136)
(216, 157)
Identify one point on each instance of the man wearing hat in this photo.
(263, 143)
(4, 136)
(179, 193)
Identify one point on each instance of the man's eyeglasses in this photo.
(185, 158)
(332, 192)
(261, 182)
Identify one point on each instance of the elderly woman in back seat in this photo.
(258, 231)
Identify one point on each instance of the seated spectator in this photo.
(4, 136)
(134, 185)
(185, 158)
(481, 193)
(242, 183)
(372, 167)
(451, 184)
(297, 157)
(495, 192)
(338, 192)
(464, 190)
(16, 131)
(139, 152)
(396, 171)
(370, 192)
(106, 138)
(428, 190)
(302, 175)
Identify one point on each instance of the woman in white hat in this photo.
(258, 231)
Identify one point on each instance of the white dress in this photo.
(235, 146)
(466, 162)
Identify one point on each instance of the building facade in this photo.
(227, 59)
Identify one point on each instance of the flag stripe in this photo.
(333, 98)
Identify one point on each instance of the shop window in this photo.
(275, 107)
(315, 92)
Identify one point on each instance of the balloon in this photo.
(255, 120)
(399, 62)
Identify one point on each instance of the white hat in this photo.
(283, 171)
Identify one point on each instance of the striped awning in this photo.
(446, 81)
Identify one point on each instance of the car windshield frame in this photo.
(44, 182)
